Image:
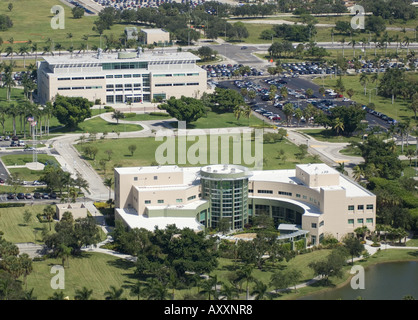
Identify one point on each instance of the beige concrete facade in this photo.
(155, 36)
(78, 210)
(320, 199)
(122, 77)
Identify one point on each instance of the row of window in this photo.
(81, 78)
(175, 75)
(314, 225)
(80, 88)
(360, 220)
(119, 76)
(176, 84)
(179, 200)
(360, 207)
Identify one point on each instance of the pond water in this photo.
(384, 281)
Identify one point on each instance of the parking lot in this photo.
(296, 86)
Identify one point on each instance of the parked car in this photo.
(37, 195)
(21, 195)
(28, 196)
(45, 196)
(10, 196)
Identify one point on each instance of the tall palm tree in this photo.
(156, 290)
(237, 112)
(13, 111)
(338, 125)
(229, 292)
(136, 289)
(247, 113)
(83, 294)
(114, 294)
(260, 290)
(245, 275)
(23, 51)
(288, 112)
(108, 182)
(364, 79)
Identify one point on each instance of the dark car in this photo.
(37, 195)
(11, 196)
(28, 196)
(45, 196)
(21, 195)
(53, 195)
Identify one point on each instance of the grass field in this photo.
(13, 227)
(398, 110)
(39, 30)
(327, 135)
(145, 154)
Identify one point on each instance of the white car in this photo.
(346, 100)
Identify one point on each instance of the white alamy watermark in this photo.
(58, 281)
(58, 21)
(358, 280)
(357, 22)
(212, 146)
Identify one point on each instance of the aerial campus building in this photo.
(315, 198)
(121, 77)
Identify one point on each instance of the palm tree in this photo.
(49, 212)
(13, 111)
(156, 290)
(353, 45)
(117, 115)
(338, 125)
(108, 182)
(229, 292)
(358, 172)
(298, 115)
(23, 51)
(363, 80)
(136, 289)
(83, 294)
(245, 274)
(288, 112)
(341, 168)
(114, 294)
(57, 296)
(260, 290)
(410, 154)
(209, 286)
(237, 112)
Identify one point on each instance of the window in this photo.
(155, 177)
(191, 198)
(147, 201)
(321, 223)
(350, 221)
(361, 220)
(109, 76)
(179, 200)
(265, 191)
(59, 79)
(351, 208)
(135, 178)
(297, 195)
(360, 207)
(313, 225)
(369, 220)
(127, 75)
(369, 207)
(160, 201)
(284, 193)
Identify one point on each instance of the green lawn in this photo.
(147, 117)
(22, 159)
(145, 154)
(98, 125)
(224, 120)
(398, 110)
(13, 227)
(96, 271)
(39, 30)
(327, 135)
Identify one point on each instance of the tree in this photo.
(132, 149)
(70, 111)
(78, 12)
(108, 182)
(83, 294)
(27, 216)
(354, 246)
(184, 109)
(114, 293)
(288, 111)
(331, 266)
(245, 274)
(49, 213)
(117, 115)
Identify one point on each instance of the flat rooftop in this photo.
(134, 220)
(154, 31)
(147, 56)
